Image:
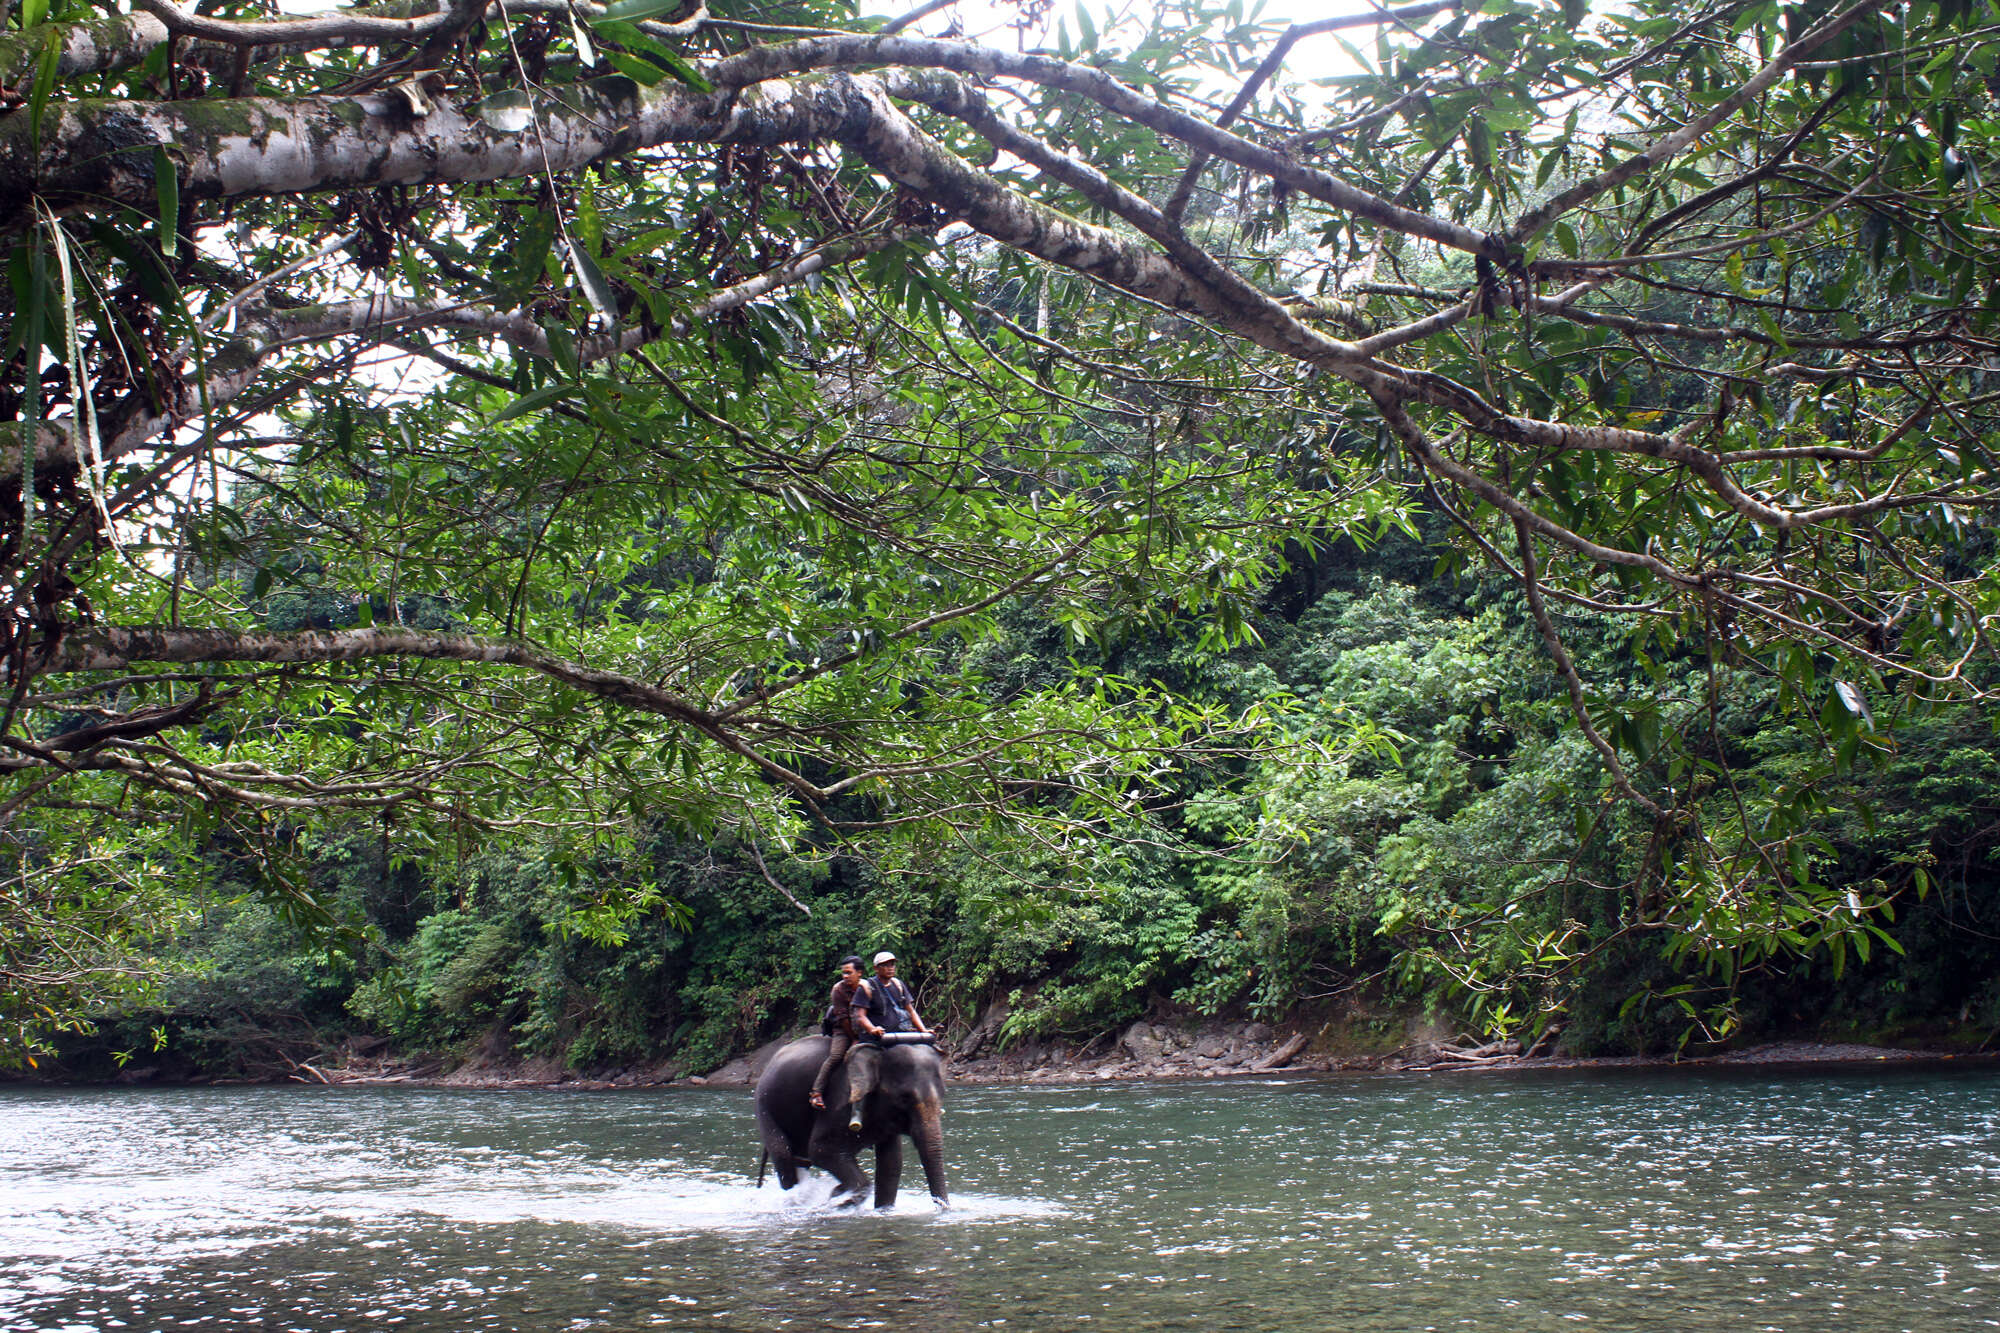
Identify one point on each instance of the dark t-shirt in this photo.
(887, 1007)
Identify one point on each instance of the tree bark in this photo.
(87, 47)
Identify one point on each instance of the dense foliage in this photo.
(1400, 872)
(632, 467)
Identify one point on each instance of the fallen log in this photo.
(1283, 1056)
(1492, 1050)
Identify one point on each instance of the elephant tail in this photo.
(763, 1160)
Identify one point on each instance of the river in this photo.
(1846, 1199)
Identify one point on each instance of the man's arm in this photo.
(859, 1012)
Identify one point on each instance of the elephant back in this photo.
(784, 1068)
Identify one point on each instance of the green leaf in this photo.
(1772, 330)
(1547, 168)
(413, 271)
(595, 286)
(641, 71)
(1478, 141)
(534, 401)
(1854, 701)
(45, 82)
(632, 11)
(528, 262)
(562, 351)
(683, 71)
(617, 24)
(945, 292)
(1509, 115)
(167, 181)
(584, 50)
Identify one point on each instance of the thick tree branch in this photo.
(772, 62)
(348, 28)
(1226, 297)
(391, 24)
(1414, 439)
(110, 648)
(112, 42)
(97, 152)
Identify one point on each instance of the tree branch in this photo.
(1668, 146)
(1531, 585)
(913, 53)
(1198, 162)
(112, 42)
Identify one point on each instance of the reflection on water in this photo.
(1858, 1199)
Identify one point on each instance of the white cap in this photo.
(884, 957)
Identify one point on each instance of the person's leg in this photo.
(862, 1064)
(834, 1055)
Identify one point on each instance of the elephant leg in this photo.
(780, 1149)
(888, 1170)
(853, 1180)
(833, 1152)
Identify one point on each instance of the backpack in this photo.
(889, 1006)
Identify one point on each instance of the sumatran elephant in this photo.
(909, 1099)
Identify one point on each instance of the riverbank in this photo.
(1142, 1051)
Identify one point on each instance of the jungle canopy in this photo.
(547, 416)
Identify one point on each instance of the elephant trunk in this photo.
(928, 1133)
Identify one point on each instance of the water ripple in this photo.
(1855, 1200)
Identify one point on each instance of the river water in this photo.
(1843, 1199)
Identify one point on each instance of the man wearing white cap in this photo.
(880, 1006)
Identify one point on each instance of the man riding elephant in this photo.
(839, 1025)
(882, 1005)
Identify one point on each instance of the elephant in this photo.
(908, 1099)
